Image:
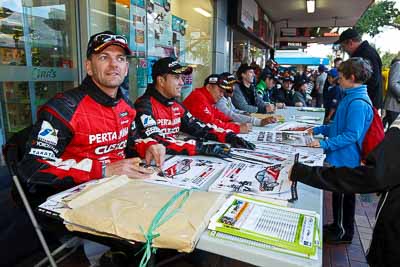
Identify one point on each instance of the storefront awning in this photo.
(302, 61)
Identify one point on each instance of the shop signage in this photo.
(24, 74)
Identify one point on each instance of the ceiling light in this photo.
(310, 6)
(202, 12)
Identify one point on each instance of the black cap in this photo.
(242, 69)
(288, 79)
(100, 41)
(222, 80)
(348, 34)
(169, 65)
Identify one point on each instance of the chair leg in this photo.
(34, 221)
(58, 250)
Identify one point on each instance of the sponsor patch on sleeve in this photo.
(152, 130)
(43, 153)
(147, 121)
(48, 133)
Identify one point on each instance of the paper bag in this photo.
(121, 205)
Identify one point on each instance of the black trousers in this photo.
(390, 117)
(343, 208)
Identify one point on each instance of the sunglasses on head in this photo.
(104, 38)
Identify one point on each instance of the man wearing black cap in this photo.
(201, 103)
(266, 85)
(162, 117)
(245, 96)
(351, 42)
(284, 95)
(86, 133)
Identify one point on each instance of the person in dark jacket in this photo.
(380, 174)
(351, 42)
(284, 95)
(332, 95)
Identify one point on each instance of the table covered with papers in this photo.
(258, 222)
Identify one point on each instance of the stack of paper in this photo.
(255, 222)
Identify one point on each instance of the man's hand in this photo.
(245, 128)
(156, 152)
(270, 108)
(314, 143)
(268, 120)
(129, 167)
(298, 104)
(280, 105)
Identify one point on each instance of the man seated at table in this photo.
(226, 106)
(162, 117)
(284, 95)
(88, 132)
(245, 96)
(201, 103)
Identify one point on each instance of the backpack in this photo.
(374, 135)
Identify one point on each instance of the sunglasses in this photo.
(104, 38)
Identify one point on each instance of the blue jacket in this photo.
(351, 122)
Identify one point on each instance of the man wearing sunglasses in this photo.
(88, 132)
(162, 117)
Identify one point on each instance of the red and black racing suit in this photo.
(162, 119)
(77, 133)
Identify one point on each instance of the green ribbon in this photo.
(163, 215)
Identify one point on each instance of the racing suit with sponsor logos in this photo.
(77, 133)
(201, 104)
(162, 119)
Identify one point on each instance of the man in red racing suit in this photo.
(86, 133)
(160, 116)
(201, 103)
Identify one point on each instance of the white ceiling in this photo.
(292, 13)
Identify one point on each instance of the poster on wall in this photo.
(159, 21)
(248, 14)
(137, 15)
(178, 37)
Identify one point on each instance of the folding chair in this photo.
(13, 152)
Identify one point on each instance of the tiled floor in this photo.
(354, 254)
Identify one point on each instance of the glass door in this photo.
(38, 57)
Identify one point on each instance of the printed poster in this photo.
(138, 28)
(187, 172)
(179, 26)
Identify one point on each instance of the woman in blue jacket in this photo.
(343, 146)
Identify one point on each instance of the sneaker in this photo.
(334, 238)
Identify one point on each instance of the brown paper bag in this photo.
(119, 206)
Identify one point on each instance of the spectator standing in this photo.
(347, 131)
(392, 99)
(332, 95)
(319, 85)
(351, 42)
